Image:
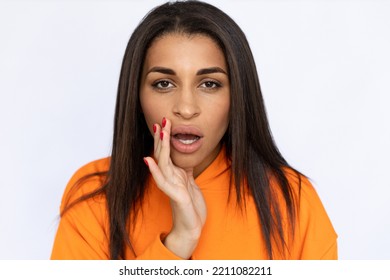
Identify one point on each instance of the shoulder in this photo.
(316, 234)
(96, 166)
(87, 179)
(83, 230)
(308, 205)
(301, 187)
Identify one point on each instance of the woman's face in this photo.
(185, 79)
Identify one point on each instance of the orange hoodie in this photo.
(228, 233)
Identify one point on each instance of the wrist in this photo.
(181, 244)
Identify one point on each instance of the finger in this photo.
(157, 141)
(159, 177)
(165, 138)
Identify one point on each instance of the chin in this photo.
(186, 162)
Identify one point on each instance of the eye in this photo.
(162, 85)
(210, 85)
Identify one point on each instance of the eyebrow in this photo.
(162, 70)
(210, 70)
(202, 71)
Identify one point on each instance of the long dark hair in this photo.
(255, 159)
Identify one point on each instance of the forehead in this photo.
(177, 49)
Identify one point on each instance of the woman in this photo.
(214, 185)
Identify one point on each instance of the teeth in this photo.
(188, 142)
(186, 139)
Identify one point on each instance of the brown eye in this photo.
(210, 85)
(163, 85)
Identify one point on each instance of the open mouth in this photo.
(186, 139)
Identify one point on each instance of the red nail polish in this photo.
(146, 162)
(161, 135)
(164, 122)
(154, 128)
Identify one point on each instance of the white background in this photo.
(324, 68)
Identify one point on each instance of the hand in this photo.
(187, 202)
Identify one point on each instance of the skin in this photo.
(185, 82)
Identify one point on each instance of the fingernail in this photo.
(161, 135)
(154, 128)
(146, 162)
(164, 122)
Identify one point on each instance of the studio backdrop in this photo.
(324, 72)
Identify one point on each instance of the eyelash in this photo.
(157, 85)
(215, 84)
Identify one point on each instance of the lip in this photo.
(186, 148)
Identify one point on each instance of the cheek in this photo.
(222, 112)
(151, 110)
(218, 118)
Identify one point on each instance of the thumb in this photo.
(190, 176)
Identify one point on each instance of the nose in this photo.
(186, 104)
